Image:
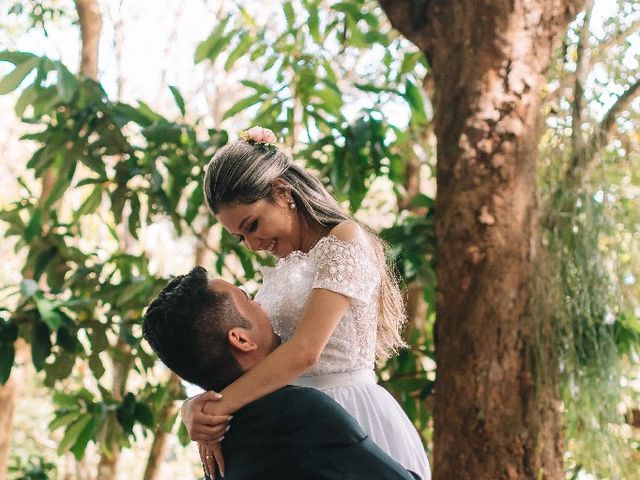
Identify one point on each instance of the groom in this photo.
(209, 332)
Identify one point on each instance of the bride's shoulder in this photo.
(350, 231)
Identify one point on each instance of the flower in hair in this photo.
(258, 135)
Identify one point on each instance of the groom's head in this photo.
(207, 331)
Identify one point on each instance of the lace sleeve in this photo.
(343, 267)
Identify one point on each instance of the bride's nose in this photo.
(252, 242)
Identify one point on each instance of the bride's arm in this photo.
(322, 313)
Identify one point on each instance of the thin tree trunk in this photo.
(108, 464)
(8, 397)
(9, 393)
(494, 417)
(90, 20)
(161, 435)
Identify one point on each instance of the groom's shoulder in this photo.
(295, 401)
(291, 394)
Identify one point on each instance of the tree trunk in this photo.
(9, 393)
(495, 417)
(161, 435)
(90, 20)
(8, 396)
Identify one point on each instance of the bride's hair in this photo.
(245, 172)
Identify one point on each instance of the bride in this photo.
(331, 296)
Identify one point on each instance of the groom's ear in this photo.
(240, 340)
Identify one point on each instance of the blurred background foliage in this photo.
(109, 205)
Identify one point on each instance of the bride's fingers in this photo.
(217, 453)
(209, 434)
(210, 427)
(208, 461)
(203, 454)
(211, 420)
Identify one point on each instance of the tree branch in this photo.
(601, 134)
(582, 70)
(598, 54)
(409, 18)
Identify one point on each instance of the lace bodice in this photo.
(339, 266)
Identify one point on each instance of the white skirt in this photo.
(378, 414)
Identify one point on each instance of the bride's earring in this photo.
(292, 204)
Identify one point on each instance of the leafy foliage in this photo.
(117, 168)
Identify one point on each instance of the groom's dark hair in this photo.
(187, 326)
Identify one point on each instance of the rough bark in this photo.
(494, 418)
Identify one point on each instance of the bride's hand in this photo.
(200, 426)
(211, 457)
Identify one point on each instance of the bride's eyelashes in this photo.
(251, 228)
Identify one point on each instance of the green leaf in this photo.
(141, 116)
(83, 438)
(13, 79)
(7, 354)
(314, 23)
(409, 61)
(194, 203)
(27, 97)
(67, 84)
(48, 311)
(242, 105)
(178, 98)
(369, 87)
(183, 435)
(331, 99)
(46, 100)
(64, 168)
(63, 419)
(91, 181)
(65, 400)
(99, 339)
(40, 345)
(125, 413)
(73, 432)
(213, 45)
(163, 132)
(243, 47)
(34, 227)
(91, 203)
(96, 366)
(144, 415)
(258, 87)
(68, 340)
(134, 216)
(289, 14)
(414, 98)
(350, 8)
(16, 57)
(61, 367)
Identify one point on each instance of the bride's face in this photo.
(264, 225)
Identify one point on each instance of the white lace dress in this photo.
(345, 368)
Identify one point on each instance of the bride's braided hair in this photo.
(245, 172)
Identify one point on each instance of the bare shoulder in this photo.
(352, 232)
(348, 230)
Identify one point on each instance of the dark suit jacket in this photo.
(301, 434)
